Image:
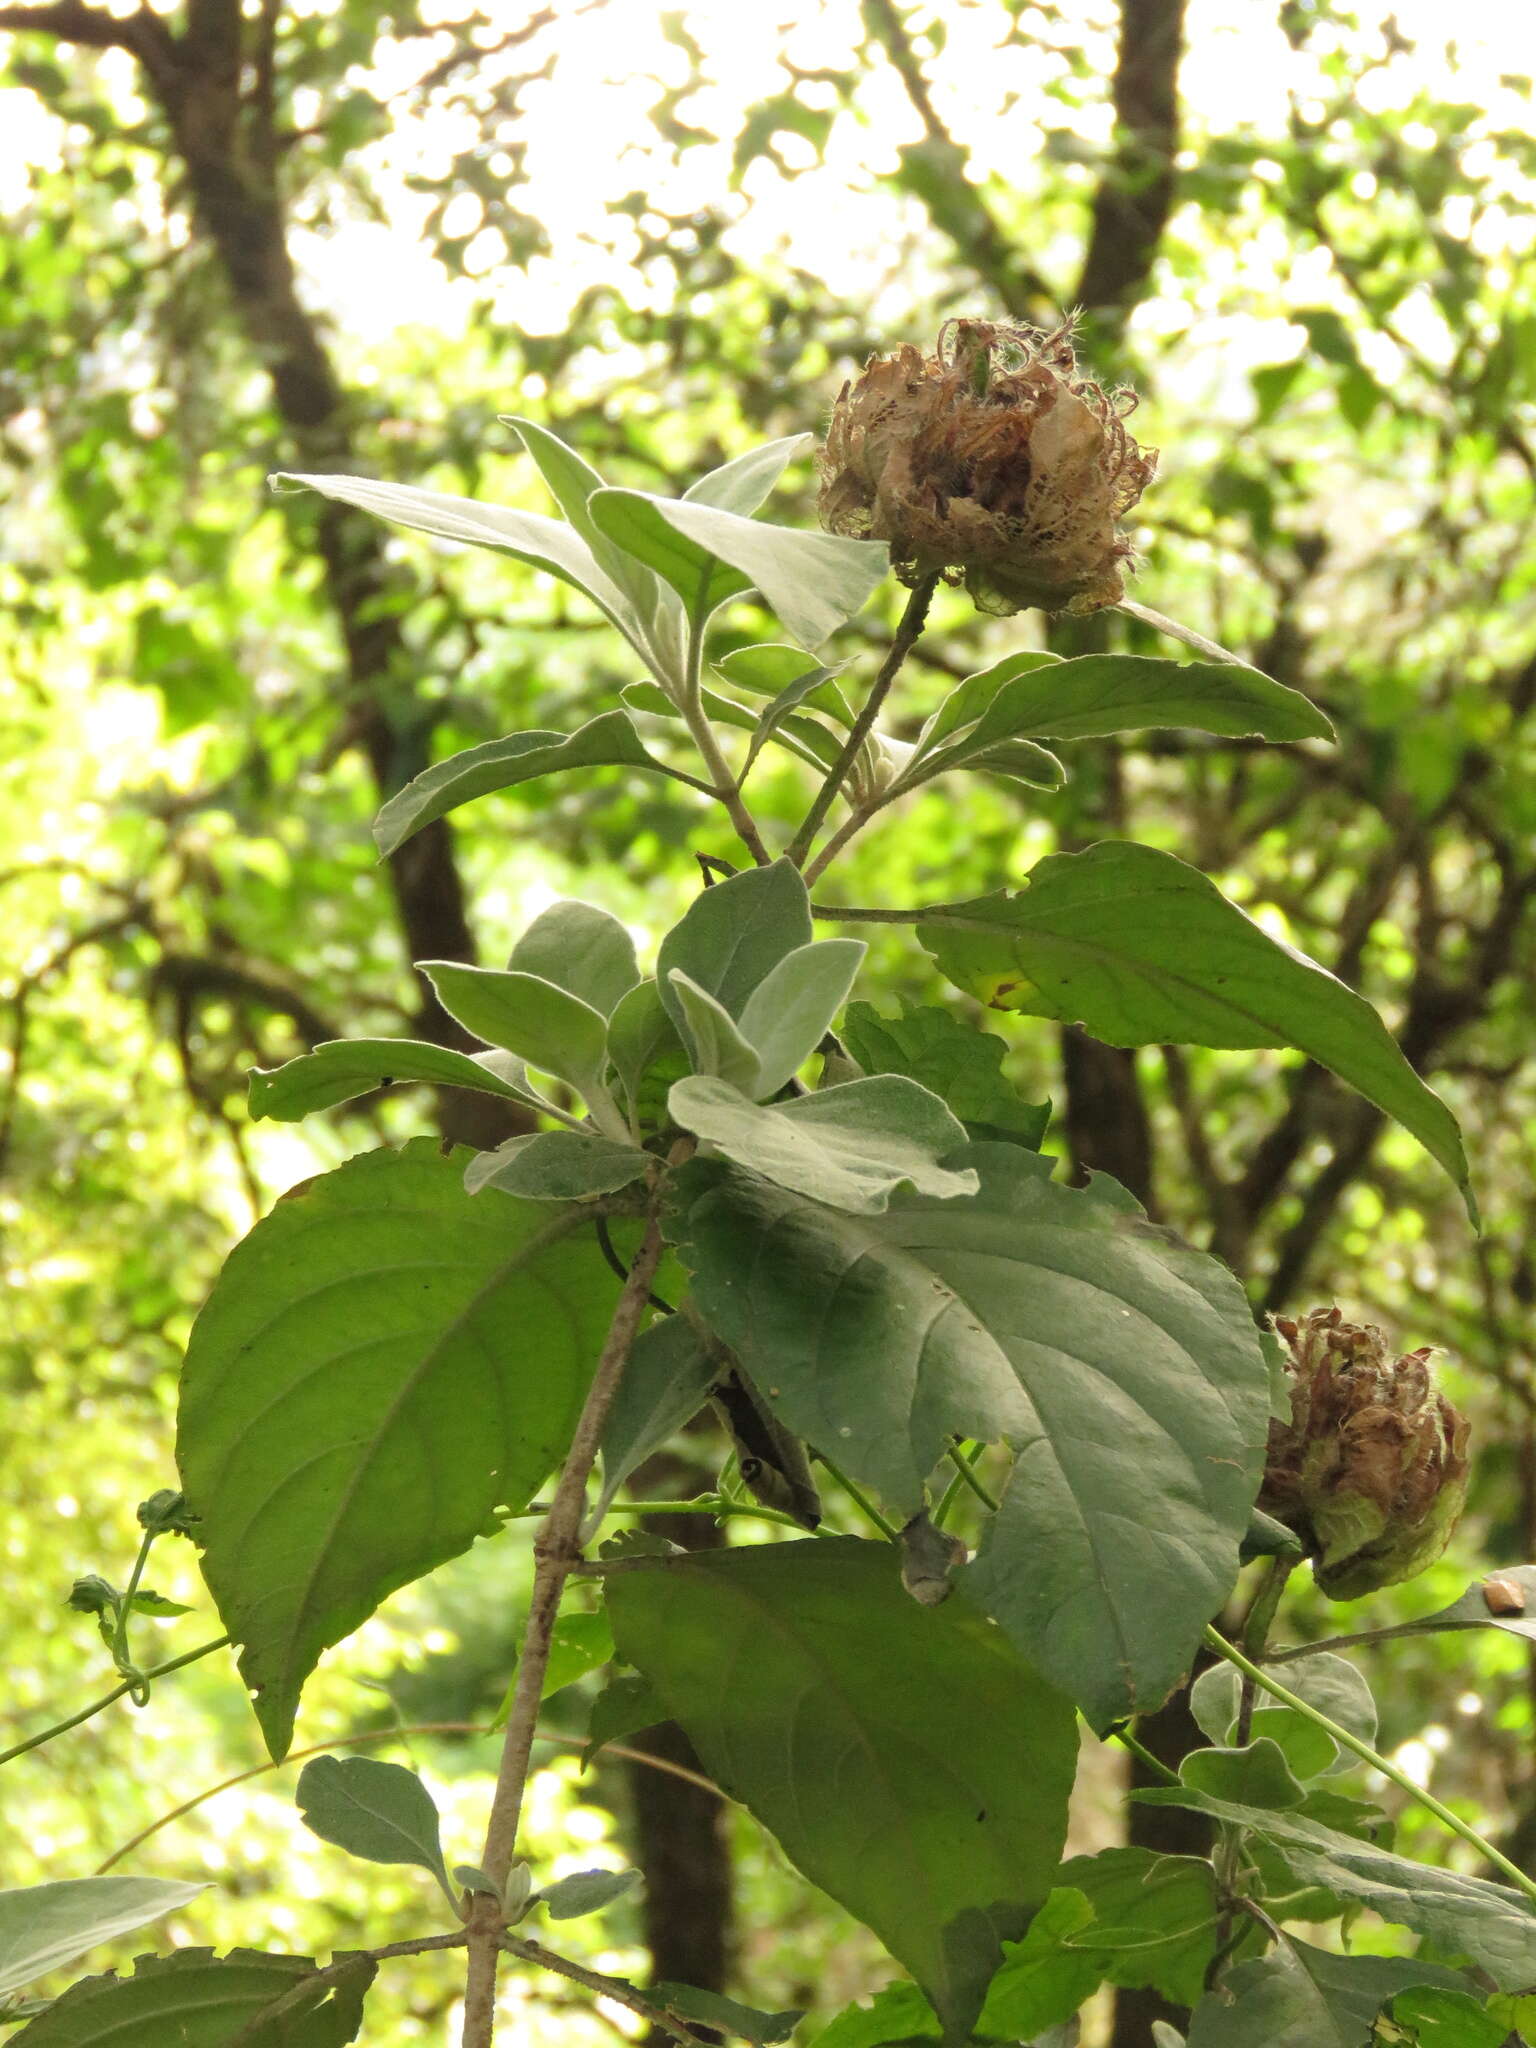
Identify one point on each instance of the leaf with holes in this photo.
(962, 1066)
(906, 1757)
(1122, 1365)
(1141, 949)
(384, 1361)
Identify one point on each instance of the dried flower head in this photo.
(995, 461)
(1371, 1470)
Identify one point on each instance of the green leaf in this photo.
(626, 1704)
(850, 1147)
(1256, 1775)
(195, 1999)
(557, 1166)
(1141, 949)
(527, 536)
(718, 1045)
(376, 1810)
(1329, 1683)
(346, 1067)
(814, 582)
(1043, 1979)
(963, 1067)
(572, 480)
(1154, 1919)
(1122, 1365)
(147, 1601)
(776, 671)
(584, 950)
(1020, 697)
(44, 1926)
(647, 1052)
(586, 1891)
(1455, 2019)
(815, 1690)
(1492, 1924)
(607, 741)
(665, 1383)
(686, 2002)
(552, 1030)
(383, 1361)
(1505, 1599)
(899, 2013)
(741, 485)
(1303, 1997)
(579, 1645)
(773, 714)
(806, 738)
(733, 935)
(791, 1010)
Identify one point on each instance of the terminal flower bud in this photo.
(1371, 1470)
(994, 461)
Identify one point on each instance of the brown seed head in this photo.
(995, 461)
(1371, 1470)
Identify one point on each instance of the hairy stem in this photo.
(96, 1706)
(138, 1684)
(908, 631)
(1363, 1750)
(305, 1986)
(556, 1550)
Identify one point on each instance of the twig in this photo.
(556, 1551)
(257, 2027)
(96, 1706)
(907, 634)
(1211, 649)
(297, 1756)
(619, 1989)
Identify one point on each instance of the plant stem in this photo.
(96, 1706)
(967, 1477)
(138, 1684)
(1228, 1859)
(1143, 1755)
(861, 1500)
(1363, 1750)
(617, 1988)
(1256, 1627)
(723, 783)
(304, 1986)
(907, 634)
(555, 1551)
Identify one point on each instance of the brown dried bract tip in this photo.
(995, 461)
(1503, 1596)
(1371, 1470)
